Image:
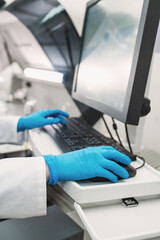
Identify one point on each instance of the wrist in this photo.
(52, 169)
(20, 125)
(47, 173)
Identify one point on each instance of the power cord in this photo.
(116, 131)
(105, 123)
(115, 127)
(128, 139)
(143, 160)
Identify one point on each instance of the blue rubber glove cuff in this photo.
(20, 125)
(53, 178)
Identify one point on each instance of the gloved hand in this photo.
(87, 163)
(41, 118)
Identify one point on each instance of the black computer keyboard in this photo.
(77, 134)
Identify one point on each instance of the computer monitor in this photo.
(116, 51)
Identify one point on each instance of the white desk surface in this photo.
(111, 220)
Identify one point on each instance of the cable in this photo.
(105, 123)
(129, 145)
(128, 140)
(143, 160)
(116, 130)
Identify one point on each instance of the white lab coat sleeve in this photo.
(22, 187)
(8, 130)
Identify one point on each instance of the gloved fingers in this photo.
(55, 112)
(114, 167)
(107, 174)
(115, 155)
(62, 119)
(106, 148)
(55, 120)
(52, 121)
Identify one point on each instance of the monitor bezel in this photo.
(134, 99)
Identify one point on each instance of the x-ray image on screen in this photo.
(108, 47)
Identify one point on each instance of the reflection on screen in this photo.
(108, 48)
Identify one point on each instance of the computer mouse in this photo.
(131, 171)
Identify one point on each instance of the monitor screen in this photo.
(111, 42)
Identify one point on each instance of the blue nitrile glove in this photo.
(41, 118)
(87, 163)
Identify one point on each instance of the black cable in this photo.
(143, 160)
(129, 145)
(116, 130)
(128, 140)
(105, 123)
